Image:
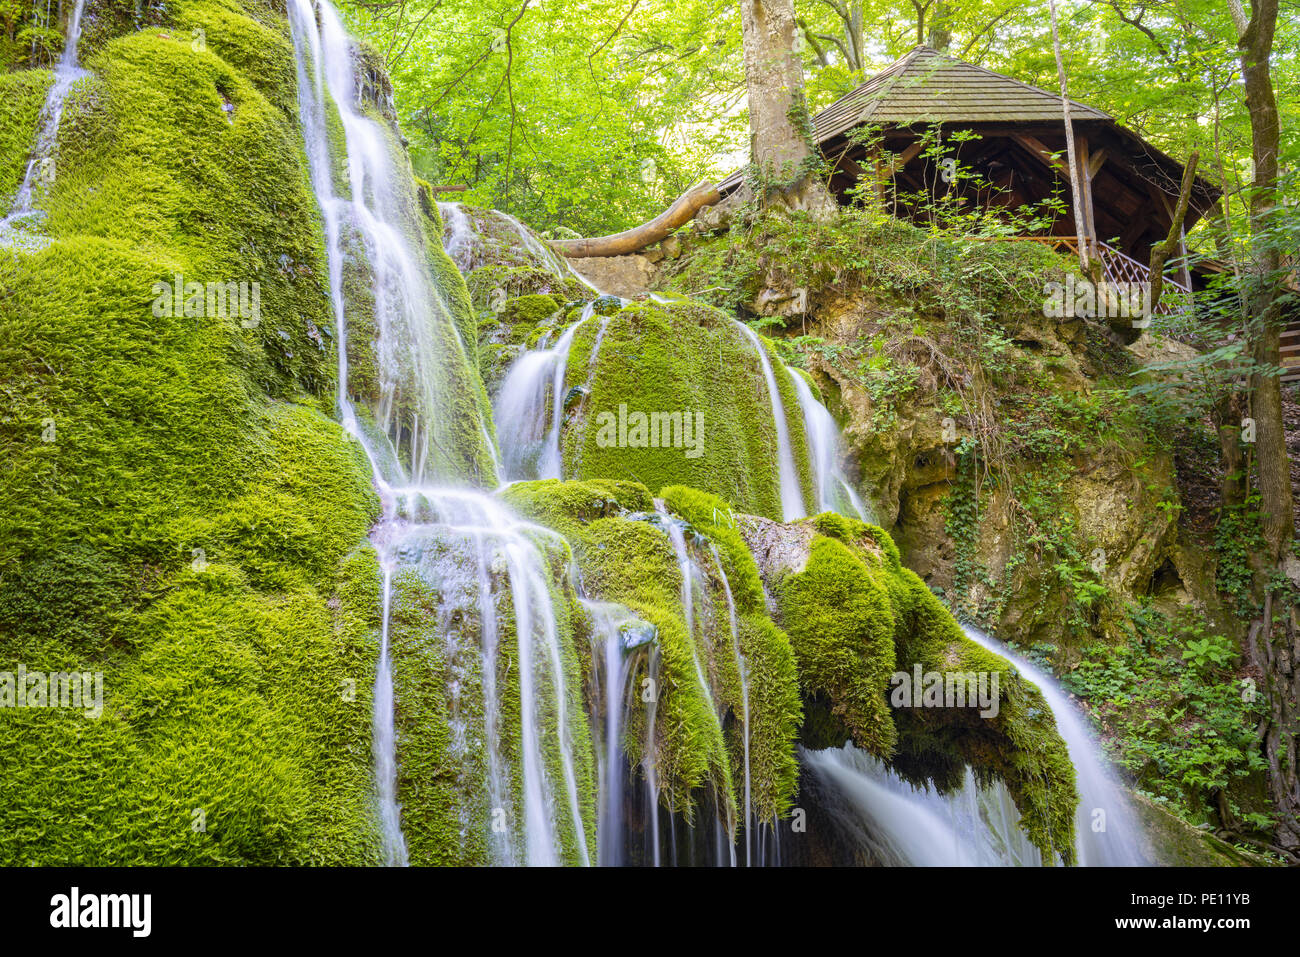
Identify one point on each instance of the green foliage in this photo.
(1175, 710)
(582, 115)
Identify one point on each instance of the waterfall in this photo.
(617, 639)
(420, 354)
(791, 492)
(532, 388)
(466, 548)
(67, 71)
(455, 541)
(834, 491)
(890, 822)
(742, 671)
(885, 821)
(1106, 827)
(690, 575)
(384, 744)
(649, 760)
(457, 235)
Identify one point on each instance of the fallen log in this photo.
(682, 211)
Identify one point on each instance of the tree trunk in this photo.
(1076, 187)
(781, 133)
(1274, 464)
(939, 33)
(1273, 644)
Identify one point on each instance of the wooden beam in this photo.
(1035, 147)
(902, 159)
(1094, 164)
(1088, 227)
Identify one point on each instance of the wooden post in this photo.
(1089, 225)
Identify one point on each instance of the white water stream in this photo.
(835, 493)
(888, 822)
(1106, 828)
(465, 543)
(791, 493)
(41, 165)
(431, 526)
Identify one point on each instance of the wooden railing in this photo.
(1120, 269)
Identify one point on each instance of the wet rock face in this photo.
(906, 449)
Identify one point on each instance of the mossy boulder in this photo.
(663, 363)
(181, 513)
(856, 618)
(697, 703)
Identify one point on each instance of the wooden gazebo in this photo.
(1129, 187)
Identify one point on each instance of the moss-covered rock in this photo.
(625, 555)
(660, 364)
(856, 618)
(21, 97)
(180, 512)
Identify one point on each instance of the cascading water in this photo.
(742, 670)
(530, 409)
(618, 639)
(792, 507)
(885, 821)
(690, 576)
(468, 548)
(427, 531)
(420, 356)
(1111, 838)
(834, 491)
(67, 71)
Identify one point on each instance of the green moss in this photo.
(149, 158)
(523, 314)
(631, 562)
(773, 680)
(679, 360)
(21, 97)
(1020, 745)
(179, 512)
(264, 54)
(841, 627)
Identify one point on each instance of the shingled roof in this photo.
(926, 86)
